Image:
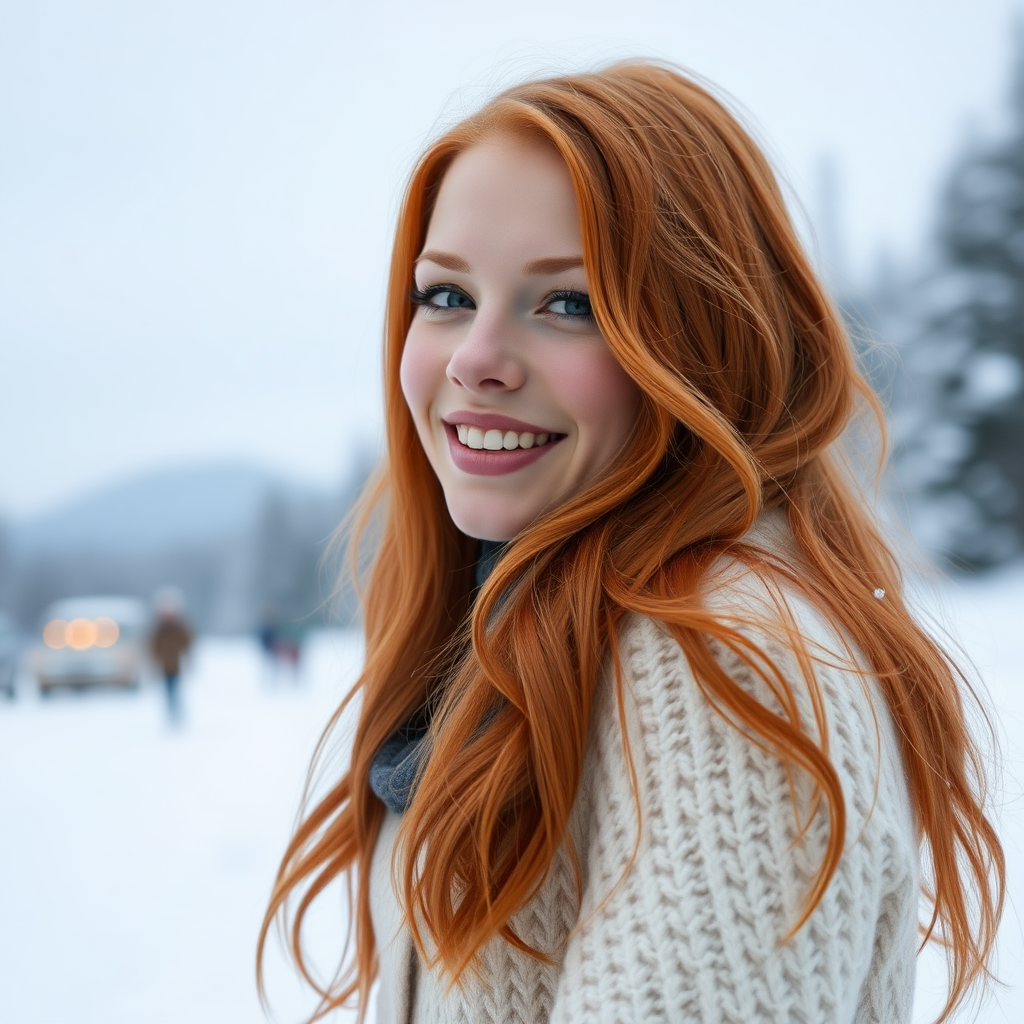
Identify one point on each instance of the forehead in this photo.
(509, 191)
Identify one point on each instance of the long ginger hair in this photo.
(705, 296)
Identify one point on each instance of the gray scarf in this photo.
(393, 771)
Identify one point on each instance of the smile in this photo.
(498, 440)
(493, 451)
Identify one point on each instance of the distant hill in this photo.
(239, 541)
(181, 505)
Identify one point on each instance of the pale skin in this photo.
(517, 399)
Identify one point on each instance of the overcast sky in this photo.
(196, 196)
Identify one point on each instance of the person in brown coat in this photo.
(170, 640)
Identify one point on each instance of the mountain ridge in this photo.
(175, 505)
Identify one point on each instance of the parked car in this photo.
(10, 648)
(92, 641)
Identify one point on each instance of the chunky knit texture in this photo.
(692, 931)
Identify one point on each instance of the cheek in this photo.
(420, 375)
(601, 397)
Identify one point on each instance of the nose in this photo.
(485, 359)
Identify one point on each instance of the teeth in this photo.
(497, 440)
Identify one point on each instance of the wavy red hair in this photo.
(705, 296)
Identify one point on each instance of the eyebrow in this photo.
(553, 264)
(544, 265)
(443, 259)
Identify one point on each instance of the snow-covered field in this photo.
(136, 858)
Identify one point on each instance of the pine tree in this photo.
(965, 369)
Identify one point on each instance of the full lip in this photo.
(484, 462)
(494, 421)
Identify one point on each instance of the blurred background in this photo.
(196, 203)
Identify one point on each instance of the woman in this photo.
(646, 731)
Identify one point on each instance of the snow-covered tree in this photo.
(959, 410)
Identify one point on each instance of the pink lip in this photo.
(481, 462)
(492, 421)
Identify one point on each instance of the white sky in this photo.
(196, 195)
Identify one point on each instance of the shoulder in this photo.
(702, 844)
(683, 737)
(774, 625)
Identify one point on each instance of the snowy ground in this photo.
(135, 859)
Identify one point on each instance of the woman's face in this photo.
(518, 401)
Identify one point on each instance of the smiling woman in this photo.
(646, 731)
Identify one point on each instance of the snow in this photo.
(986, 617)
(136, 858)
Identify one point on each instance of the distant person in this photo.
(290, 639)
(169, 642)
(268, 632)
(281, 641)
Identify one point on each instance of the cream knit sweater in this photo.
(692, 932)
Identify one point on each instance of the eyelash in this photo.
(566, 295)
(422, 298)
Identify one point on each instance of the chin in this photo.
(486, 522)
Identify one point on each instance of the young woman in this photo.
(646, 731)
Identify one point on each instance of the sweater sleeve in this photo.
(690, 928)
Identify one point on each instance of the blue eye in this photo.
(451, 300)
(570, 304)
(441, 296)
